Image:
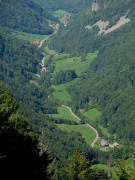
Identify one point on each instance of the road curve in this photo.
(73, 114)
(42, 41)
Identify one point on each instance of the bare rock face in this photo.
(102, 25)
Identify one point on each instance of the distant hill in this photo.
(82, 33)
(23, 15)
(72, 6)
(108, 27)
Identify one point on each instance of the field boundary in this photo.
(73, 114)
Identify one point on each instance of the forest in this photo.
(109, 82)
(72, 6)
(96, 73)
(33, 19)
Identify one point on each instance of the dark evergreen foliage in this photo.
(20, 156)
(24, 16)
(64, 76)
(72, 6)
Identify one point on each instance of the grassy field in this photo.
(61, 56)
(60, 14)
(28, 36)
(105, 131)
(64, 114)
(49, 51)
(87, 133)
(75, 63)
(92, 114)
(61, 92)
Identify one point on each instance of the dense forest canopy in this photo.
(72, 6)
(78, 39)
(33, 19)
(109, 81)
(19, 66)
(20, 153)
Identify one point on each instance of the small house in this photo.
(104, 143)
(36, 42)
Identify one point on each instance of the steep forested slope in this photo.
(68, 5)
(24, 16)
(85, 31)
(20, 152)
(20, 70)
(109, 82)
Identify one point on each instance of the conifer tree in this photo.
(20, 156)
(79, 168)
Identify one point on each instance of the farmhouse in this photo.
(44, 69)
(36, 42)
(104, 143)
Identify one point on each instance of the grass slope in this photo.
(64, 114)
(92, 114)
(75, 63)
(60, 14)
(49, 51)
(61, 92)
(87, 133)
(28, 36)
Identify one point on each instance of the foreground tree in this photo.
(125, 171)
(79, 168)
(20, 156)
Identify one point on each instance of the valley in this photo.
(67, 89)
(89, 133)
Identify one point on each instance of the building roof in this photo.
(36, 42)
(104, 142)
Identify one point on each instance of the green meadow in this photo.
(92, 114)
(60, 14)
(61, 92)
(75, 63)
(64, 113)
(28, 36)
(87, 133)
(105, 131)
(49, 51)
(61, 56)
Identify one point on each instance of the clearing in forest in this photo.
(63, 16)
(75, 63)
(61, 93)
(64, 113)
(87, 133)
(28, 36)
(92, 114)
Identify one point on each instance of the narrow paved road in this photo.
(42, 41)
(73, 114)
(46, 38)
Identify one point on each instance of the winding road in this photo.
(46, 38)
(67, 107)
(73, 114)
(42, 41)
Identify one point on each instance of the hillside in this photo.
(72, 6)
(106, 26)
(33, 19)
(20, 69)
(86, 30)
